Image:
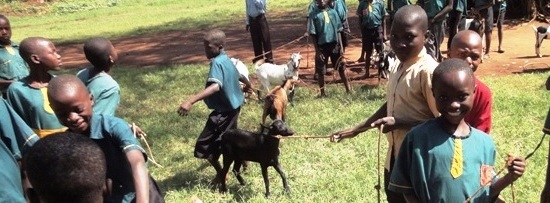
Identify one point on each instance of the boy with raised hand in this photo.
(77, 177)
(467, 45)
(445, 159)
(12, 66)
(15, 139)
(437, 11)
(222, 94)
(325, 26)
(409, 99)
(28, 95)
(72, 103)
(102, 55)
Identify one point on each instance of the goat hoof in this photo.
(287, 191)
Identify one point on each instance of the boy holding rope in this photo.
(222, 94)
(325, 26)
(409, 95)
(72, 104)
(445, 159)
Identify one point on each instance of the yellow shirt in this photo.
(409, 97)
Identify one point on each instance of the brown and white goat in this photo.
(276, 101)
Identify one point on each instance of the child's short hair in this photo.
(66, 167)
(29, 46)
(97, 51)
(4, 17)
(412, 12)
(65, 84)
(215, 37)
(451, 65)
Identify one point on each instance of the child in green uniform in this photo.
(126, 167)
(324, 27)
(12, 66)
(15, 138)
(437, 11)
(222, 94)
(102, 55)
(445, 159)
(28, 95)
(373, 28)
(78, 177)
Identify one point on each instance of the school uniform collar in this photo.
(415, 59)
(12, 44)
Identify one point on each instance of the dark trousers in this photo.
(261, 40)
(208, 144)
(453, 21)
(391, 196)
(372, 38)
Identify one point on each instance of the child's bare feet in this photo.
(500, 50)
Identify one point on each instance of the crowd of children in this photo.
(428, 106)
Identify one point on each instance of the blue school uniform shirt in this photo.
(104, 89)
(12, 66)
(15, 138)
(114, 136)
(460, 5)
(225, 74)
(255, 8)
(371, 19)
(397, 4)
(33, 105)
(326, 29)
(433, 7)
(424, 163)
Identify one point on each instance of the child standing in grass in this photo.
(102, 55)
(15, 138)
(325, 27)
(12, 66)
(409, 91)
(373, 29)
(445, 159)
(467, 45)
(126, 167)
(28, 95)
(222, 94)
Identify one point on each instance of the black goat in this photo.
(240, 145)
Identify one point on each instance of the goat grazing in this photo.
(240, 145)
(541, 33)
(271, 74)
(277, 100)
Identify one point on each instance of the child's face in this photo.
(5, 32)
(468, 50)
(48, 56)
(74, 111)
(211, 50)
(407, 39)
(454, 95)
(322, 3)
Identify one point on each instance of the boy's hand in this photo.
(388, 122)
(516, 166)
(340, 135)
(184, 109)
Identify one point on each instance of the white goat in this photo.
(271, 74)
(243, 71)
(541, 33)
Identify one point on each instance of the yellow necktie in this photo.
(370, 8)
(10, 49)
(457, 163)
(327, 19)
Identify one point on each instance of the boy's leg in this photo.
(500, 22)
(321, 59)
(454, 20)
(488, 15)
(266, 38)
(369, 45)
(334, 56)
(256, 36)
(438, 31)
(391, 196)
(363, 44)
(378, 45)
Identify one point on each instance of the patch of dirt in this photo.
(185, 47)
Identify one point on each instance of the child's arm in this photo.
(441, 15)
(185, 107)
(516, 168)
(362, 127)
(247, 85)
(140, 174)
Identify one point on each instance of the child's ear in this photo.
(107, 188)
(35, 58)
(220, 47)
(92, 99)
(111, 59)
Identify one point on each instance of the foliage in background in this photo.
(317, 170)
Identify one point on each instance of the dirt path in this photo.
(185, 47)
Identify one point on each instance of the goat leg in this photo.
(223, 173)
(237, 171)
(279, 170)
(266, 179)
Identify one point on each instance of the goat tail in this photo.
(258, 63)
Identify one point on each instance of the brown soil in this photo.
(185, 47)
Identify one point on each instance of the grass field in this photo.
(317, 170)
